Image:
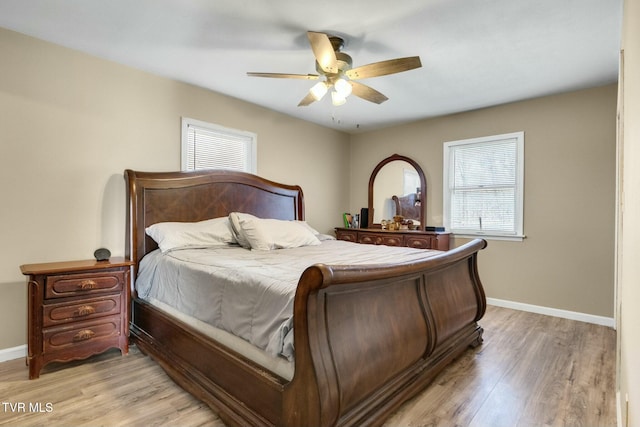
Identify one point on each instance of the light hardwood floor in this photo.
(531, 370)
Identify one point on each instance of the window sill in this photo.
(518, 238)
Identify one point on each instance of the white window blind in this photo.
(484, 186)
(209, 146)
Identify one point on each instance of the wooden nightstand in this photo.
(76, 309)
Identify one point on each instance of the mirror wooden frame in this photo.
(423, 188)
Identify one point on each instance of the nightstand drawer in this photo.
(77, 334)
(56, 314)
(69, 285)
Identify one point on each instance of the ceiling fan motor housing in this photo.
(344, 63)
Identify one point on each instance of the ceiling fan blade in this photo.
(306, 100)
(323, 51)
(284, 76)
(383, 68)
(367, 93)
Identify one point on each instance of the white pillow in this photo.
(268, 234)
(234, 219)
(310, 228)
(316, 233)
(181, 235)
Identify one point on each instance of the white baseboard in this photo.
(13, 353)
(565, 314)
(619, 408)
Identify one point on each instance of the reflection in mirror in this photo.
(397, 178)
(397, 186)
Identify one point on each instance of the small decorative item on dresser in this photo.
(76, 309)
(347, 219)
(102, 254)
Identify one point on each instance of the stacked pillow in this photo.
(192, 235)
(243, 229)
(267, 234)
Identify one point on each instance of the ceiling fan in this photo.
(335, 67)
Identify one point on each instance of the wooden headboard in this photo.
(406, 206)
(154, 197)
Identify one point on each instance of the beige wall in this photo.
(567, 260)
(71, 123)
(629, 239)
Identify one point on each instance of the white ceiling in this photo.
(475, 53)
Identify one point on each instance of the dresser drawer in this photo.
(68, 285)
(369, 239)
(419, 242)
(391, 240)
(349, 236)
(57, 314)
(380, 239)
(79, 334)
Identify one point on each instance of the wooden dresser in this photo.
(409, 238)
(76, 309)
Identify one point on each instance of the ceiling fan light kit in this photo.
(335, 67)
(318, 90)
(343, 87)
(337, 99)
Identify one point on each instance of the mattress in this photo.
(250, 293)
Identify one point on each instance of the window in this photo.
(209, 146)
(410, 181)
(483, 186)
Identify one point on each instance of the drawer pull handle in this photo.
(87, 284)
(84, 335)
(85, 310)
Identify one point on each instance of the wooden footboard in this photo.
(367, 340)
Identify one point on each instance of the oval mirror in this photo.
(397, 187)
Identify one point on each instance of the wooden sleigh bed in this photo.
(366, 339)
